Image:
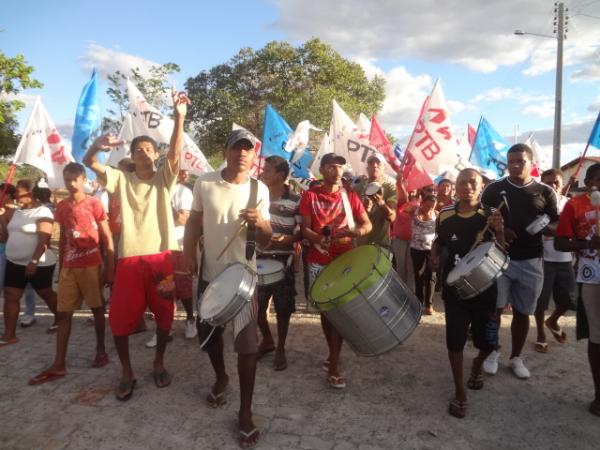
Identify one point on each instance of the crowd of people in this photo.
(149, 235)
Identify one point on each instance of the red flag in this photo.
(379, 140)
(416, 177)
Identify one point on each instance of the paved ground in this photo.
(397, 400)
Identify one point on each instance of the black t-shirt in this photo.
(525, 204)
(456, 233)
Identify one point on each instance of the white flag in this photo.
(126, 136)
(42, 146)
(298, 140)
(149, 121)
(347, 142)
(325, 147)
(432, 143)
(364, 126)
(542, 160)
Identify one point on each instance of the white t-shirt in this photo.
(23, 237)
(550, 254)
(181, 200)
(220, 203)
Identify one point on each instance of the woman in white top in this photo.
(28, 258)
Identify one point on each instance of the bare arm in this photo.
(181, 216)
(180, 102)
(104, 143)
(192, 234)
(44, 231)
(565, 244)
(109, 268)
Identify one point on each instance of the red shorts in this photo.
(183, 282)
(140, 282)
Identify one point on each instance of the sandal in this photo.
(161, 379)
(249, 439)
(325, 365)
(44, 377)
(216, 400)
(100, 361)
(52, 329)
(280, 363)
(595, 408)
(336, 382)
(127, 389)
(458, 408)
(541, 347)
(475, 381)
(5, 342)
(558, 334)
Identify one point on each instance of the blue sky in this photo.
(484, 68)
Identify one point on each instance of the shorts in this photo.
(521, 285)
(314, 270)
(283, 293)
(14, 276)
(183, 282)
(140, 282)
(590, 294)
(76, 284)
(479, 312)
(245, 342)
(559, 282)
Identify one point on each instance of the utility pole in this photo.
(560, 30)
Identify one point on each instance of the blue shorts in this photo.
(521, 285)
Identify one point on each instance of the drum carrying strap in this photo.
(348, 210)
(251, 231)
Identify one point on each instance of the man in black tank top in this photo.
(458, 228)
(525, 201)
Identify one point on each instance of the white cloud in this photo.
(28, 99)
(477, 35)
(543, 110)
(107, 61)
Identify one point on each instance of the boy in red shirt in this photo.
(83, 223)
(325, 226)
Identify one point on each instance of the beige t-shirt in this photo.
(146, 214)
(220, 203)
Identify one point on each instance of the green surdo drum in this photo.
(366, 301)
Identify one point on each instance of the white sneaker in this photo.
(152, 342)
(518, 368)
(27, 320)
(190, 329)
(490, 365)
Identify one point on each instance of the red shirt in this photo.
(402, 228)
(80, 222)
(326, 208)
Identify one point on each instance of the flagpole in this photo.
(573, 177)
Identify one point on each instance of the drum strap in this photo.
(251, 231)
(348, 211)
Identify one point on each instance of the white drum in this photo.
(270, 271)
(538, 224)
(478, 270)
(227, 294)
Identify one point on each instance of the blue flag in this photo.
(275, 134)
(489, 149)
(300, 167)
(595, 134)
(87, 121)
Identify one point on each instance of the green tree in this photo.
(155, 87)
(15, 76)
(300, 82)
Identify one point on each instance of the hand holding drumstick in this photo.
(248, 216)
(496, 222)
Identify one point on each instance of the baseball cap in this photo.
(239, 135)
(332, 158)
(377, 157)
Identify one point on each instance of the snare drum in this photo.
(361, 294)
(538, 224)
(270, 271)
(227, 294)
(478, 270)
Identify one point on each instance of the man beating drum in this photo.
(219, 211)
(328, 214)
(527, 203)
(457, 230)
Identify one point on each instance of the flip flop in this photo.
(541, 347)
(100, 361)
(475, 381)
(263, 351)
(216, 401)
(457, 408)
(249, 439)
(280, 365)
(161, 379)
(325, 365)
(52, 329)
(4, 343)
(127, 388)
(336, 382)
(595, 408)
(558, 334)
(44, 377)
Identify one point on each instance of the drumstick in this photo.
(237, 232)
(481, 234)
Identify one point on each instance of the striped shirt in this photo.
(285, 219)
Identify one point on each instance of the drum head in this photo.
(266, 266)
(361, 267)
(221, 290)
(469, 262)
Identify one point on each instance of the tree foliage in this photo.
(154, 86)
(300, 82)
(15, 76)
